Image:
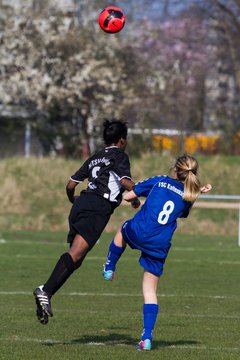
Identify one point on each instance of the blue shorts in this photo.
(151, 264)
(148, 262)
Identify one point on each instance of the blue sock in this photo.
(114, 253)
(150, 313)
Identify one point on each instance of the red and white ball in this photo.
(111, 19)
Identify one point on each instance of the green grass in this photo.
(93, 319)
(32, 192)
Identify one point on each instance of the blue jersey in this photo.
(152, 227)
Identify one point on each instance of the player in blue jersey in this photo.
(152, 228)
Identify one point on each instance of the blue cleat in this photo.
(144, 345)
(108, 274)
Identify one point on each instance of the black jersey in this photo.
(104, 170)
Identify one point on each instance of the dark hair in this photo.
(113, 131)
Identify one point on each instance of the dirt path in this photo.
(217, 205)
(209, 204)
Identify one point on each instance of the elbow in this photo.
(71, 185)
(70, 190)
(127, 184)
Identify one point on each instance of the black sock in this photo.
(63, 269)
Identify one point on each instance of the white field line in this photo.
(188, 315)
(64, 245)
(103, 258)
(31, 242)
(92, 343)
(203, 249)
(46, 341)
(233, 318)
(214, 297)
(220, 262)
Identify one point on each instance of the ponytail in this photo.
(191, 187)
(186, 168)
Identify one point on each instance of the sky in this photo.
(154, 10)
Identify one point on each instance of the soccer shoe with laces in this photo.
(108, 274)
(144, 345)
(43, 302)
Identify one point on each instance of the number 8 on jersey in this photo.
(163, 216)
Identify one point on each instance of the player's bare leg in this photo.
(78, 250)
(118, 239)
(149, 288)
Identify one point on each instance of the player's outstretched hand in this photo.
(206, 188)
(135, 203)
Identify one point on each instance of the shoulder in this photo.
(175, 182)
(120, 152)
(97, 155)
(154, 179)
(149, 183)
(120, 155)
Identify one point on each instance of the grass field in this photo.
(198, 296)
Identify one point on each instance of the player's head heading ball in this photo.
(114, 131)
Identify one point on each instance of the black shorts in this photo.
(88, 217)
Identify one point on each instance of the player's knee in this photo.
(78, 263)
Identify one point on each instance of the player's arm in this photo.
(206, 188)
(123, 171)
(186, 211)
(70, 190)
(79, 176)
(128, 184)
(129, 196)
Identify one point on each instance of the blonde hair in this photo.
(186, 168)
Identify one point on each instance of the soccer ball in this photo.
(111, 19)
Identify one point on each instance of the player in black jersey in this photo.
(108, 174)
